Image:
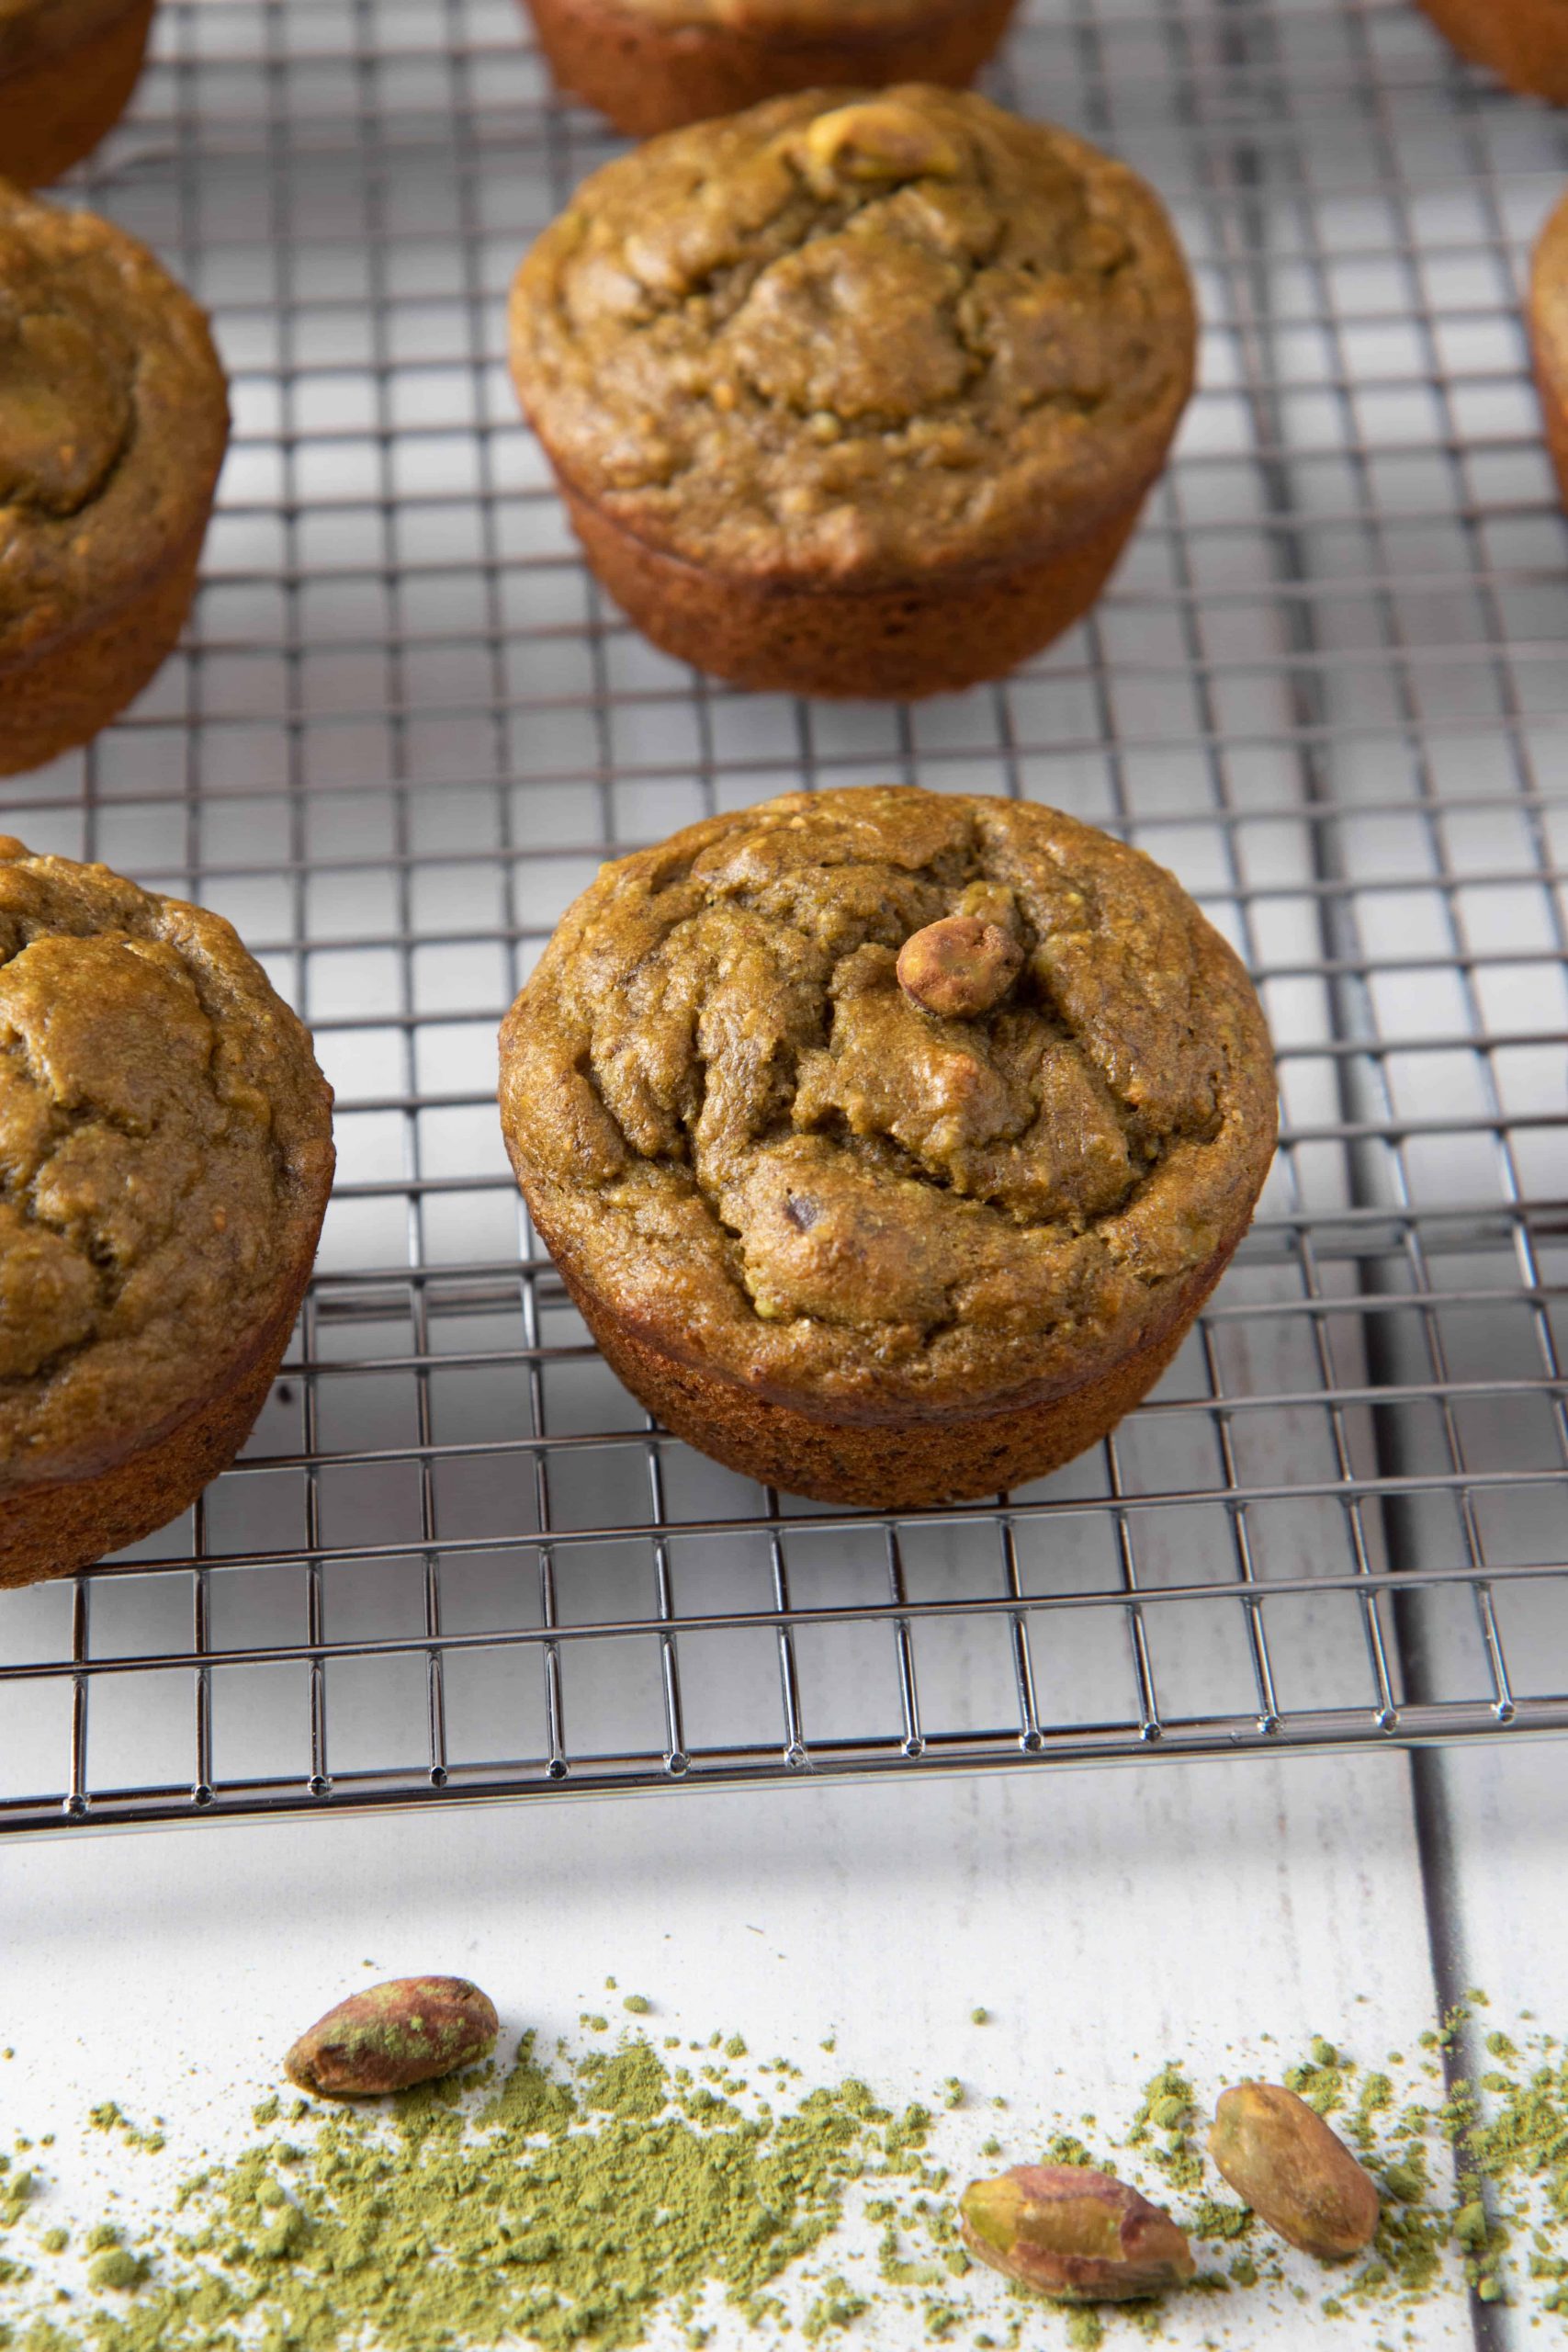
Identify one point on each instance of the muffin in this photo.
(166, 1152)
(114, 418)
(856, 396)
(1548, 335)
(888, 1142)
(67, 70)
(653, 64)
(1525, 41)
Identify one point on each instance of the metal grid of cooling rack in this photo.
(1327, 687)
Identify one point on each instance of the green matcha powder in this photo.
(571, 2204)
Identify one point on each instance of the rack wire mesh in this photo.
(457, 1561)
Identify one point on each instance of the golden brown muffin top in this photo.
(847, 337)
(113, 420)
(736, 1123)
(32, 30)
(1549, 290)
(165, 1150)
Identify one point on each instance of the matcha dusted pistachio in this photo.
(411, 2030)
(1279, 2155)
(1076, 2235)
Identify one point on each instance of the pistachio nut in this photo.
(1078, 2236)
(390, 2036)
(958, 967)
(1279, 2155)
(871, 139)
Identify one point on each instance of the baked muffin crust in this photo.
(1525, 41)
(113, 420)
(68, 69)
(735, 1129)
(1549, 334)
(784, 16)
(850, 340)
(166, 1154)
(31, 30)
(651, 65)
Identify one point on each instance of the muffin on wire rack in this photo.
(165, 1158)
(67, 70)
(114, 419)
(652, 65)
(888, 1142)
(1524, 41)
(857, 396)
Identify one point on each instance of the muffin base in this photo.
(62, 697)
(1548, 316)
(54, 112)
(1525, 41)
(958, 628)
(1554, 388)
(888, 1466)
(52, 1531)
(649, 77)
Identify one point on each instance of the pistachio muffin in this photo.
(67, 70)
(888, 1142)
(1524, 41)
(653, 64)
(1548, 335)
(114, 418)
(165, 1156)
(856, 396)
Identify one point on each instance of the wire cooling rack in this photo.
(1327, 687)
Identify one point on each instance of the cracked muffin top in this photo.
(113, 420)
(880, 1096)
(165, 1148)
(852, 336)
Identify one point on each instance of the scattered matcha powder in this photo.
(1166, 2125)
(111, 2116)
(1324, 2079)
(567, 2207)
(569, 2204)
(836, 2307)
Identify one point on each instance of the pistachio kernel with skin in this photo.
(959, 967)
(1075, 2236)
(1279, 2155)
(392, 2036)
(875, 139)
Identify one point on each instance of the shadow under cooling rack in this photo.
(1327, 687)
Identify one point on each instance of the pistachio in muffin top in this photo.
(879, 1096)
(844, 337)
(165, 1150)
(113, 420)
